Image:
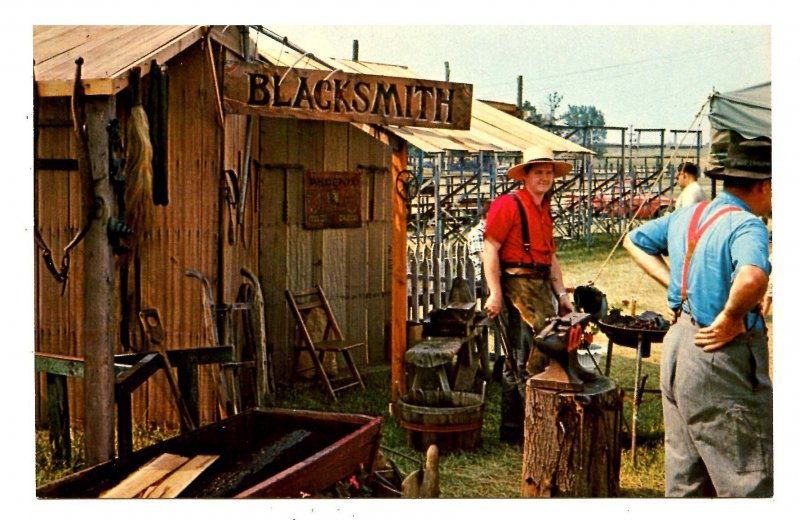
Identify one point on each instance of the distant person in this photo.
(691, 191)
(475, 241)
(715, 384)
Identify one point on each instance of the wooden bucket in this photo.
(451, 420)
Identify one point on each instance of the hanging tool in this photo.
(265, 378)
(88, 203)
(245, 170)
(151, 323)
(225, 400)
(509, 359)
(157, 110)
(233, 200)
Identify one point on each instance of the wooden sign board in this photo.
(332, 200)
(259, 89)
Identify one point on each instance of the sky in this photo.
(645, 76)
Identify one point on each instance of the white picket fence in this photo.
(431, 274)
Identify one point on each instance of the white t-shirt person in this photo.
(691, 191)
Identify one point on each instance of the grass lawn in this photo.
(494, 469)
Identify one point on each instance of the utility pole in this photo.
(447, 71)
(355, 50)
(519, 93)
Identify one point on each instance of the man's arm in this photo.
(747, 290)
(653, 265)
(557, 283)
(491, 270)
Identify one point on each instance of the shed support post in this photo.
(399, 274)
(99, 307)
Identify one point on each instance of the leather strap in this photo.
(694, 234)
(526, 237)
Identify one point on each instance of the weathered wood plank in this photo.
(180, 479)
(146, 476)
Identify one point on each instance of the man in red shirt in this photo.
(523, 274)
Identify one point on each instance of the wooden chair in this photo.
(302, 303)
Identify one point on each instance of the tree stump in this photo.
(572, 441)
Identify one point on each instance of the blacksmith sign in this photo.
(332, 200)
(259, 89)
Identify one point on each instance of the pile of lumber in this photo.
(163, 477)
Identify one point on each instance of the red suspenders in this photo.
(694, 237)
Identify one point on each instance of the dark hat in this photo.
(744, 159)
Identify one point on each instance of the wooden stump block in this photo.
(572, 441)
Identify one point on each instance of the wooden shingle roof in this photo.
(108, 53)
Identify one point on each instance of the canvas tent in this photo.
(739, 114)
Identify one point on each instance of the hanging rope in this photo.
(306, 55)
(660, 176)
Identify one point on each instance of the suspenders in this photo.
(526, 237)
(694, 234)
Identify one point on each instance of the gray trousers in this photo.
(717, 415)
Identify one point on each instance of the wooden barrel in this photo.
(451, 420)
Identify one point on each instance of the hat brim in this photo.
(723, 173)
(560, 168)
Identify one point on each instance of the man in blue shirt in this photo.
(716, 390)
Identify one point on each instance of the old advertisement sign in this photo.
(332, 200)
(259, 89)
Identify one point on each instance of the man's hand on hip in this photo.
(721, 331)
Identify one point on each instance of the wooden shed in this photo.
(237, 131)
(227, 193)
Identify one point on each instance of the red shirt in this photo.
(503, 224)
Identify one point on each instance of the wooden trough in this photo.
(262, 453)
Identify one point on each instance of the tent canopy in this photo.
(747, 111)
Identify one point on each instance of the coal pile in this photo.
(647, 320)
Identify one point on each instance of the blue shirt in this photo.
(737, 238)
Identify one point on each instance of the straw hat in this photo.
(538, 154)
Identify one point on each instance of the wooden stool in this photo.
(433, 355)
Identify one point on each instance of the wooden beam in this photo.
(399, 275)
(99, 289)
(179, 356)
(70, 366)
